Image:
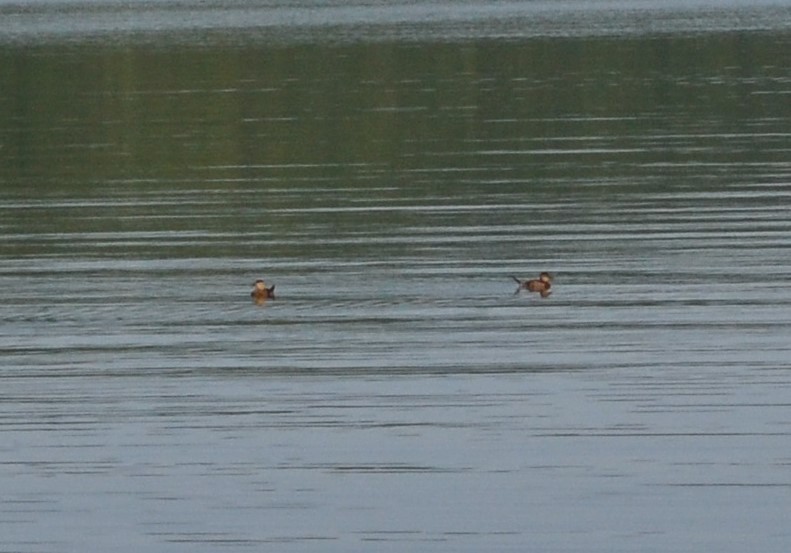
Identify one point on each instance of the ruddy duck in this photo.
(261, 292)
(541, 284)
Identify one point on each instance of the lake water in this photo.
(389, 166)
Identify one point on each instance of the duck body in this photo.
(542, 284)
(261, 292)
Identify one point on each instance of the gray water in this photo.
(389, 167)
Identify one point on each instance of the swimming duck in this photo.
(541, 284)
(261, 292)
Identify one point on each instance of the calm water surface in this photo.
(389, 167)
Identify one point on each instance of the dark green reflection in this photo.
(80, 115)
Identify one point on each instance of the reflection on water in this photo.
(400, 20)
(397, 393)
(415, 284)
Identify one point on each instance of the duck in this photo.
(541, 284)
(261, 292)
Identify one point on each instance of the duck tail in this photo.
(271, 291)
